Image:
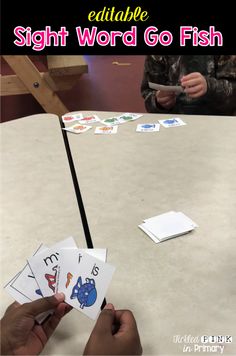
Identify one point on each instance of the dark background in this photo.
(106, 86)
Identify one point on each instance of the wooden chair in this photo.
(63, 72)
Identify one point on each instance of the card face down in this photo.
(84, 280)
(168, 225)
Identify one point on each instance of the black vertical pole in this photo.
(77, 192)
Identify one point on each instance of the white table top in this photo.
(184, 286)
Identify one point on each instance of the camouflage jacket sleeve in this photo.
(155, 70)
(221, 93)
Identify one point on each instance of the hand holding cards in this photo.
(81, 274)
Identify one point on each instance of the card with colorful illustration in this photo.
(77, 129)
(172, 122)
(111, 121)
(82, 275)
(71, 117)
(63, 279)
(128, 117)
(89, 120)
(148, 127)
(84, 280)
(25, 283)
(106, 130)
(45, 266)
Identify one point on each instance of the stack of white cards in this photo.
(81, 274)
(166, 226)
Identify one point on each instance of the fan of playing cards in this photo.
(168, 225)
(81, 274)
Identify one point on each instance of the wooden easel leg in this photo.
(36, 84)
